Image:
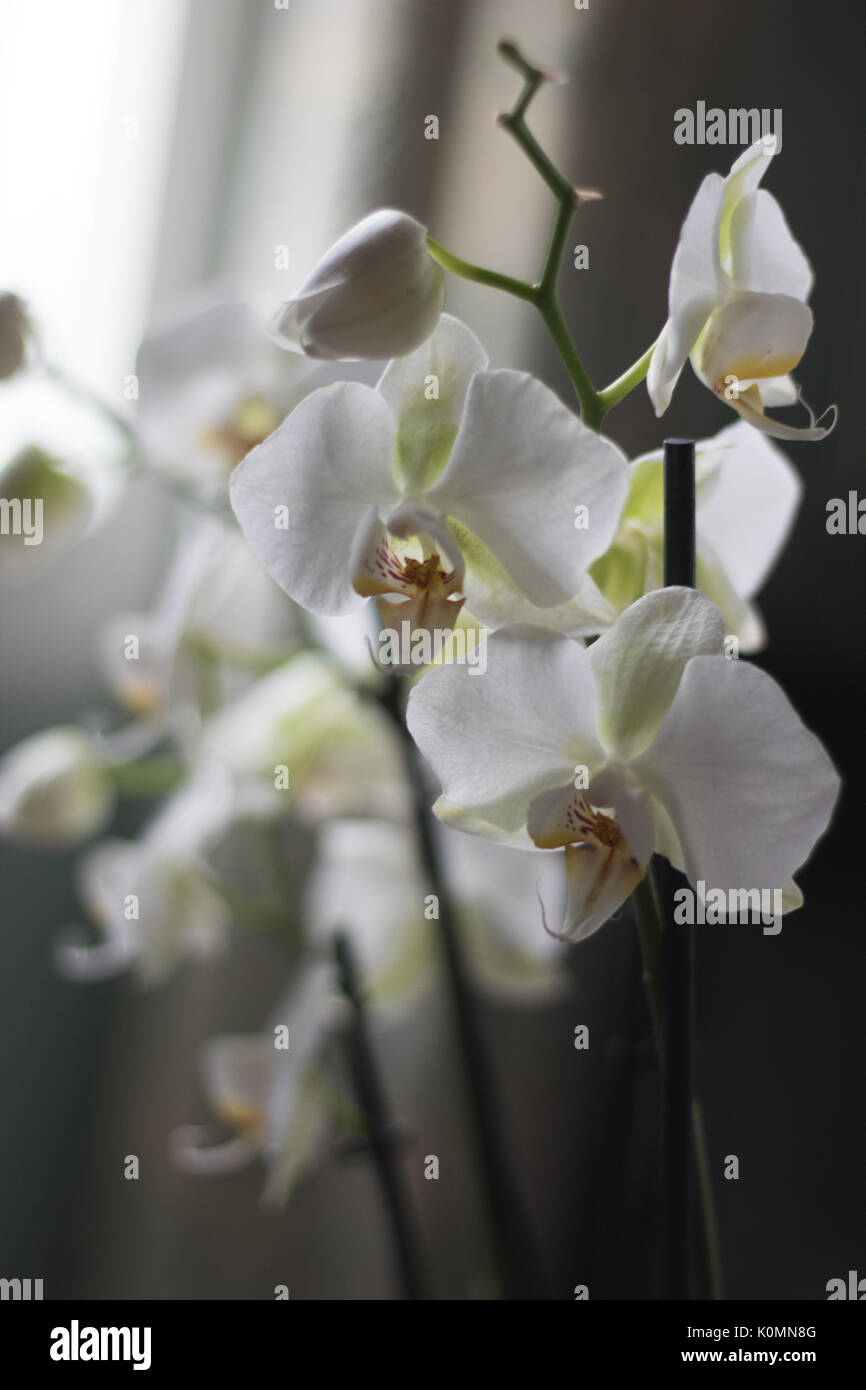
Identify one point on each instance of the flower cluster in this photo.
(612, 719)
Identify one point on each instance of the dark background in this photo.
(90, 1074)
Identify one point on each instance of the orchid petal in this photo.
(765, 258)
(427, 423)
(748, 788)
(638, 663)
(599, 882)
(498, 740)
(329, 462)
(696, 287)
(496, 601)
(751, 337)
(747, 515)
(521, 466)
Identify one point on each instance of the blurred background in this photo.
(148, 147)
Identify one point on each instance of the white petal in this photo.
(696, 287)
(237, 1077)
(747, 515)
(752, 337)
(748, 788)
(521, 466)
(599, 882)
(494, 599)
(751, 407)
(193, 1150)
(747, 171)
(426, 392)
(765, 256)
(638, 663)
(495, 741)
(366, 881)
(328, 463)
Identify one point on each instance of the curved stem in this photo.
(619, 389)
(648, 916)
(479, 273)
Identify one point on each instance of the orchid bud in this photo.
(54, 788)
(15, 335)
(376, 293)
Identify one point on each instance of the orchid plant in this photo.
(613, 722)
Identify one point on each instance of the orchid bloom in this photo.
(649, 740)
(423, 491)
(268, 1095)
(737, 300)
(746, 500)
(309, 743)
(55, 788)
(376, 293)
(366, 881)
(217, 608)
(154, 899)
(211, 385)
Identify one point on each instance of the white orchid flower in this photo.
(376, 293)
(366, 881)
(218, 614)
(154, 899)
(55, 788)
(310, 743)
(211, 385)
(422, 491)
(746, 500)
(267, 1094)
(737, 300)
(649, 740)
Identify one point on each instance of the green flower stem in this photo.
(648, 915)
(591, 411)
(479, 274)
(619, 389)
(543, 293)
(380, 1132)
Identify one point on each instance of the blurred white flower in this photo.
(55, 788)
(485, 487)
(737, 300)
(312, 743)
(747, 498)
(219, 621)
(366, 882)
(267, 1094)
(376, 293)
(497, 893)
(154, 899)
(649, 740)
(211, 386)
